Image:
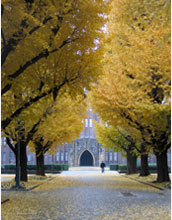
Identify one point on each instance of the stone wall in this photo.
(79, 146)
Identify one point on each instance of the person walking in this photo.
(102, 165)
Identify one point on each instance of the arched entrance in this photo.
(86, 159)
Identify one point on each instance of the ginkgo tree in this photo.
(48, 45)
(59, 124)
(62, 124)
(135, 90)
(117, 139)
(48, 48)
(18, 136)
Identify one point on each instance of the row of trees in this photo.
(60, 125)
(133, 96)
(51, 51)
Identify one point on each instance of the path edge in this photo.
(146, 183)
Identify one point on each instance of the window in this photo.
(11, 156)
(57, 156)
(3, 140)
(110, 156)
(28, 157)
(115, 156)
(66, 156)
(149, 159)
(91, 123)
(49, 159)
(4, 157)
(86, 122)
(62, 156)
(107, 155)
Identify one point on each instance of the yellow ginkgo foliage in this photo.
(63, 123)
(48, 46)
(135, 90)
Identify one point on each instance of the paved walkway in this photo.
(88, 195)
(7, 177)
(86, 171)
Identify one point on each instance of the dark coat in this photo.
(102, 165)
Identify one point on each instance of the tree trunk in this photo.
(131, 163)
(16, 156)
(23, 162)
(144, 169)
(40, 164)
(162, 167)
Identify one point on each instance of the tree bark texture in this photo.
(40, 163)
(131, 163)
(162, 167)
(144, 169)
(162, 144)
(23, 161)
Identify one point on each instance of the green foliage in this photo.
(113, 166)
(48, 167)
(117, 139)
(122, 168)
(56, 167)
(9, 166)
(111, 137)
(31, 167)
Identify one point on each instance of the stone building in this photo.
(85, 151)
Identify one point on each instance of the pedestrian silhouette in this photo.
(102, 165)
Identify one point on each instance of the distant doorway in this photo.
(86, 159)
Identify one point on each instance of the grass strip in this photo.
(5, 200)
(146, 183)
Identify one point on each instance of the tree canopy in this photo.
(112, 138)
(62, 124)
(48, 46)
(134, 92)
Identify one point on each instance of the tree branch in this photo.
(32, 131)
(115, 143)
(13, 42)
(8, 120)
(41, 55)
(47, 146)
(10, 145)
(3, 38)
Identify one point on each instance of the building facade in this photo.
(85, 151)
